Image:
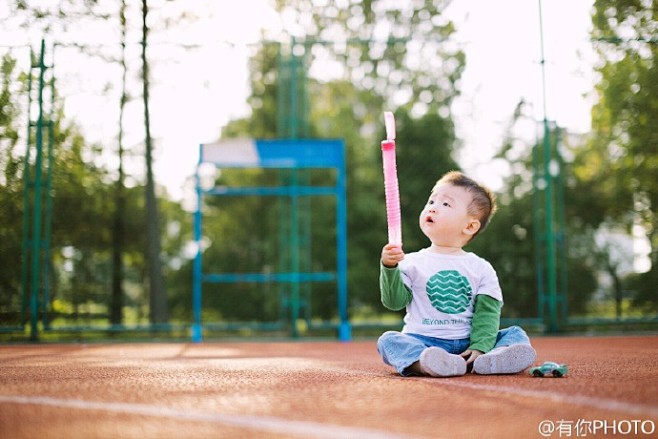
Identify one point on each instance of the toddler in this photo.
(452, 297)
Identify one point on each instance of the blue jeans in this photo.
(401, 350)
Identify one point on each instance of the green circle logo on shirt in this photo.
(449, 292)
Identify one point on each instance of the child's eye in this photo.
(430, 202)
(446, 204)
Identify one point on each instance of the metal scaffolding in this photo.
(37, 198)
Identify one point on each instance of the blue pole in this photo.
(344, 329)
(197, 328)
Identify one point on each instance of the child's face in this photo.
(445, 219)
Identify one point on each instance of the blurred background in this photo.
(103, 105)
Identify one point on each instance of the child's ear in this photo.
(472, 227)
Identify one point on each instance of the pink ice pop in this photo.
(391, 189)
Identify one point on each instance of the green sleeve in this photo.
(395, 295)
(486, 320)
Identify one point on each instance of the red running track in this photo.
(319, 389)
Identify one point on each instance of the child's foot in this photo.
(505, 360)
(438, 363)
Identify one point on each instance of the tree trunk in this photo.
(157, 298)
(118, 231)
(618, 289)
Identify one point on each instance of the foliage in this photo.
(83, 204)
(10, 182)
(409, 69)
(619, 166)
(515, 240)
(384, 56)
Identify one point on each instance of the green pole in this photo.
(293, 121)
(294, 248)
(294, 207)
(49, 201)
(282, 67)
(550, 235)
(551, 273)
(561, 240)
(537, 225)
(25, 259)
(36, 218)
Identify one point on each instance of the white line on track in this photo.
(581, 400)
(264, 423)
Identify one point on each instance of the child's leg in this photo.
(437, 362)
(511, 336)
(511, 354)
(409, 355)
(399, 350)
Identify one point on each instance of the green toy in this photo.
(549, 368)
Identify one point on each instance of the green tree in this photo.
(620, 164)
(11, 187)
(514, 241)
(83, 227)
(396, 58)
(83, 197)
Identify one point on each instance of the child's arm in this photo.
(394, 293)
(484, 327)
(486, 322)
(392, 254)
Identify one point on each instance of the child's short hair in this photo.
(483, 206)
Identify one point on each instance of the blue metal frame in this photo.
(275, 154)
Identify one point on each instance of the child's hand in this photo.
(391, 255)
(470, 355)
